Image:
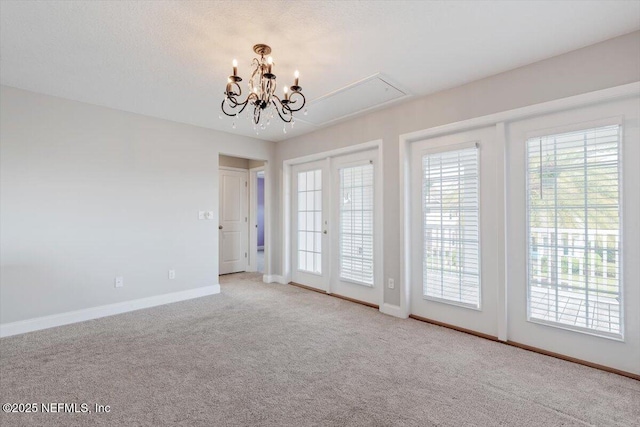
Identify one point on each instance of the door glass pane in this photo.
(573, 204)
(451, 251)
(356, 224)
(310, 221)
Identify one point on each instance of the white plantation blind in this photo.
(573, 196)
(310, 221)
(356, 224)
(451, 258)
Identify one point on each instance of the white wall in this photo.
(611, 63)
(89, 193)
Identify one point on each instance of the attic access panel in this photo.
(361, 96)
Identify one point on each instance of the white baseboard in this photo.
(45, 322)
(273, 278)
(392, 310)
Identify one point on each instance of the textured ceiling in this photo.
(171, 59)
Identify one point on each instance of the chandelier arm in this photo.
(293, 101)
(225, 112)
(252, 96)
(286, 114)
(233, 101)
(235, 104)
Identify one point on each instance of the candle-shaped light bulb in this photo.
(286, 93)
(296, 75)
(235, 67)
(269, 64)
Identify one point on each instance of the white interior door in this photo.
(454, 224)
(355, 242)
(310, 261)
(233, 228)
(574, 235)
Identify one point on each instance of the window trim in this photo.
(576, 127)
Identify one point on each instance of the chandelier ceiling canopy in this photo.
(262, 100)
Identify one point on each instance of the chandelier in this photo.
(262, 98)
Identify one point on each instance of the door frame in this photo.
(287, 206)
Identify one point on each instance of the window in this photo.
(451, 265)
(356, 224)
(573, 189)
(310, 221)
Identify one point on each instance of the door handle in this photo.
(324, 232)
(219, 227)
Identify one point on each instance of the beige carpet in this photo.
(278, 355)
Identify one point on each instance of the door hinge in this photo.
(245, 184)
(245, 254)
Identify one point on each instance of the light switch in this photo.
(200, 214)
(119, 282)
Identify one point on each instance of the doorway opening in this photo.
(243, 211)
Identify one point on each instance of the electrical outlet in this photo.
(392, 284)
(119, 282)
(172, 274)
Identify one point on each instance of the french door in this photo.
(566, 210)
(453, 224)
(355, 245)
(335, 245)
(574, 234)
